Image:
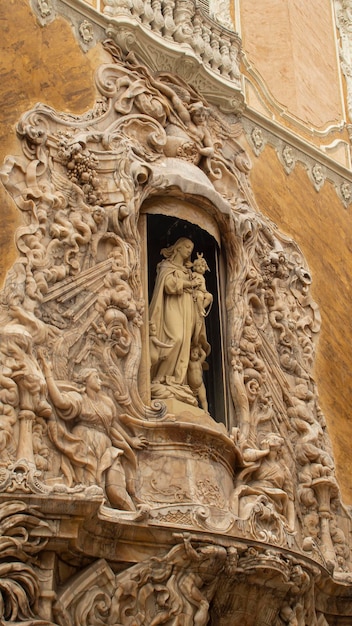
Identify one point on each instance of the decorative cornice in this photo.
(291, 149)
(169, 35)
(178, 36)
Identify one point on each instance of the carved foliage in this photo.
(73, 303)
(194, 583)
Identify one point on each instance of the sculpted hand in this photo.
(42, 360)
(139, 442)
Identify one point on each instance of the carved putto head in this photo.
(200, 266)
(199, 113)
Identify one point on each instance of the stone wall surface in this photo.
(283, 41)
(37, 65)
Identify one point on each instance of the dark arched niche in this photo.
(163, 222)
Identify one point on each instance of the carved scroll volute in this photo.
(178, 584)
(19, 584)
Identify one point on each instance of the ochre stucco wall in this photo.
(47, 65)
(291, 44)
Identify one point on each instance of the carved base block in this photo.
(191, 463)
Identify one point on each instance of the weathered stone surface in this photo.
(221, 505)
(37, 64)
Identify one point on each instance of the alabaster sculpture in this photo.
(159, 412)
(177, 312)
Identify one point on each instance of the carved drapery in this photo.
(19, 576)
(75, 431)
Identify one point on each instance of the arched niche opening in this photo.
(162, 223)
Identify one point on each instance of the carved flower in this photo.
(346, 191)
(86, 31)
(318, 174)
(257, 138)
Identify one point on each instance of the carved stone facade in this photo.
(164, 458)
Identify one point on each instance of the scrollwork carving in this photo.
(19, 583)
(74, 307)
(179, 585)
(86, 31)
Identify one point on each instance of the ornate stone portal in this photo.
(163, 464)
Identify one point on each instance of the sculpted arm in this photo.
(203, 355)
(176, 284)
(208, 146)
(121, 437)
(61, 400)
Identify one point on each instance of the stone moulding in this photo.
(169, 36)
(276, 110)
(134, 26)
(183, 514)
(291, 149)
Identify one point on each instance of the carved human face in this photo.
(98, 215)
(199, 116)
(302, 393)
(199, 267)
(194, 354)
(274, 442)
(120, 334)
(185, 248)
(93, 381)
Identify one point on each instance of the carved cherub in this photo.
(341, 546)
(117, 331)
(22, 369)
(195, 375)
(117, 292)
(8, 418)
(309, 445)
(197, 126)
(202, 297)
(40, 449)
(249, 344)
(267, 474)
